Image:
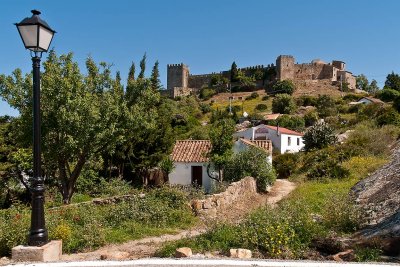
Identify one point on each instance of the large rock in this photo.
(379, 197)
(183, 252)
(240, 253)
(115, 255)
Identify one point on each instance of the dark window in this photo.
(289, 141)
(298, 141)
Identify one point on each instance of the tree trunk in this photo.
(68, 183)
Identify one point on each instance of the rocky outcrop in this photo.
(379, 197)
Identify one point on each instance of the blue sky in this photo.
(209, 35)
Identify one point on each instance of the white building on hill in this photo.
(284, 140)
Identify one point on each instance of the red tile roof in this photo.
(284, 130)
(191, 151)
(266, 145)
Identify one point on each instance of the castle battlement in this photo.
(181, 82)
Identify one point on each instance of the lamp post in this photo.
(36, 35)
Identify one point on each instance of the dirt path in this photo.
(146, 247)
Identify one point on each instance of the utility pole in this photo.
(341, 84)
(230, 99)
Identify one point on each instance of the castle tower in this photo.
(285, 68)
(177, 76)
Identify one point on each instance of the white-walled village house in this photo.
(284, 140)
(190, 162)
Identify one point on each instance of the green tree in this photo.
(234, 72)
(155, 77)
(392, 82)
(362, 82)
(283, 103)
(252, 162)
(373, 87)
(326, 106)
(291, 122)
(221, 141)
(79, 116)
(319, 136)
(284, 87)
(142, 67)
(388, 94)
(131, 74)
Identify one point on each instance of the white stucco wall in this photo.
(364, 101)
(182, 175)
(293, 147)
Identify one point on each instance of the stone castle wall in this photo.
(285, 69)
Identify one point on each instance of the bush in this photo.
(252, 162)
(326, 106)
(387, 116)
(253, 95)
(310, 118)
(388, 94)
(285, 164)
(306, 100)
(323, 164)
(283, 103)
(371, 140)
(284, 87)
(261, 107)
(205, 108)
(265, 98)
(319, 136)
(207, 93)
(292, 122)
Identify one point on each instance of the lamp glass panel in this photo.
(45, 37)
(29, 35)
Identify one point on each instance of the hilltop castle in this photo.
(181, 83)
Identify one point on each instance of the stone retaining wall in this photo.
(212, 204)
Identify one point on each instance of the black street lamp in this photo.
(36, 35)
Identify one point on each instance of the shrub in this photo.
(372, 140)
(368, 112)
(284, 87)
(207, 93)
(283, 103)
(340, 214)
(264, 98)
(306, 100)
(323, 164)
(253, 95)
(310, 118)
(205, 108)
(285, 164)
(261, 107)
(326, 106)
(292, 122)
(319, 136)
(388, 94)
(252, 162)
(388, 116)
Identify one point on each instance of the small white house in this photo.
(283, 139)
(243, 144)
(190, 162)
(367, 100)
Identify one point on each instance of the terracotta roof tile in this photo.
(191, 151)
(266, 145)
(284, 130)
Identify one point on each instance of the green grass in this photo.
(87, 227)
(286, 231)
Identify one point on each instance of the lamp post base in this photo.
(49, 252)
